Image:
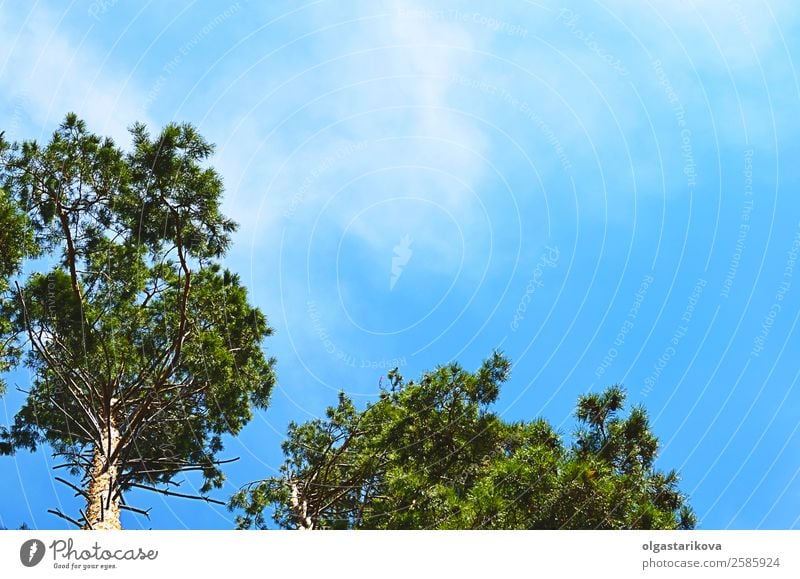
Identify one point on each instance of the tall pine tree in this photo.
(144, 350)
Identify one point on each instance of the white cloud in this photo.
(49, 71)
(379, 104)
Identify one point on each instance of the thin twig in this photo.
(181, 495)
(78, 490)
(144, 512)
(85, 518)
(65, 517)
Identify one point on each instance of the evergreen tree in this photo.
(144, 350)
(432, 455)
(16, 241)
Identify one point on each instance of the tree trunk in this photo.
(300, 510)
(102, 496)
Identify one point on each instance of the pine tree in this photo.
(432, 455)
(144, 350)
(16, 241)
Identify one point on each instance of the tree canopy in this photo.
(431, 454)
(16, 241)
(144, 350)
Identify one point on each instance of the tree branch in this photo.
(173, 494)
(78, 491)
(145, 512)
(65, 517)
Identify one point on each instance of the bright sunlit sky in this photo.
(606, 191)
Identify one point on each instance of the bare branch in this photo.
(65, 517)
(85, 518)
(78, 491)
(181, 495)
(145, 512)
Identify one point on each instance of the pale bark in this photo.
(102, 494)
(300, 510)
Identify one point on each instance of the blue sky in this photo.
(606, 191)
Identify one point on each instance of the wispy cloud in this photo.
(379, 103)
(46, 70)
(709, 32)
